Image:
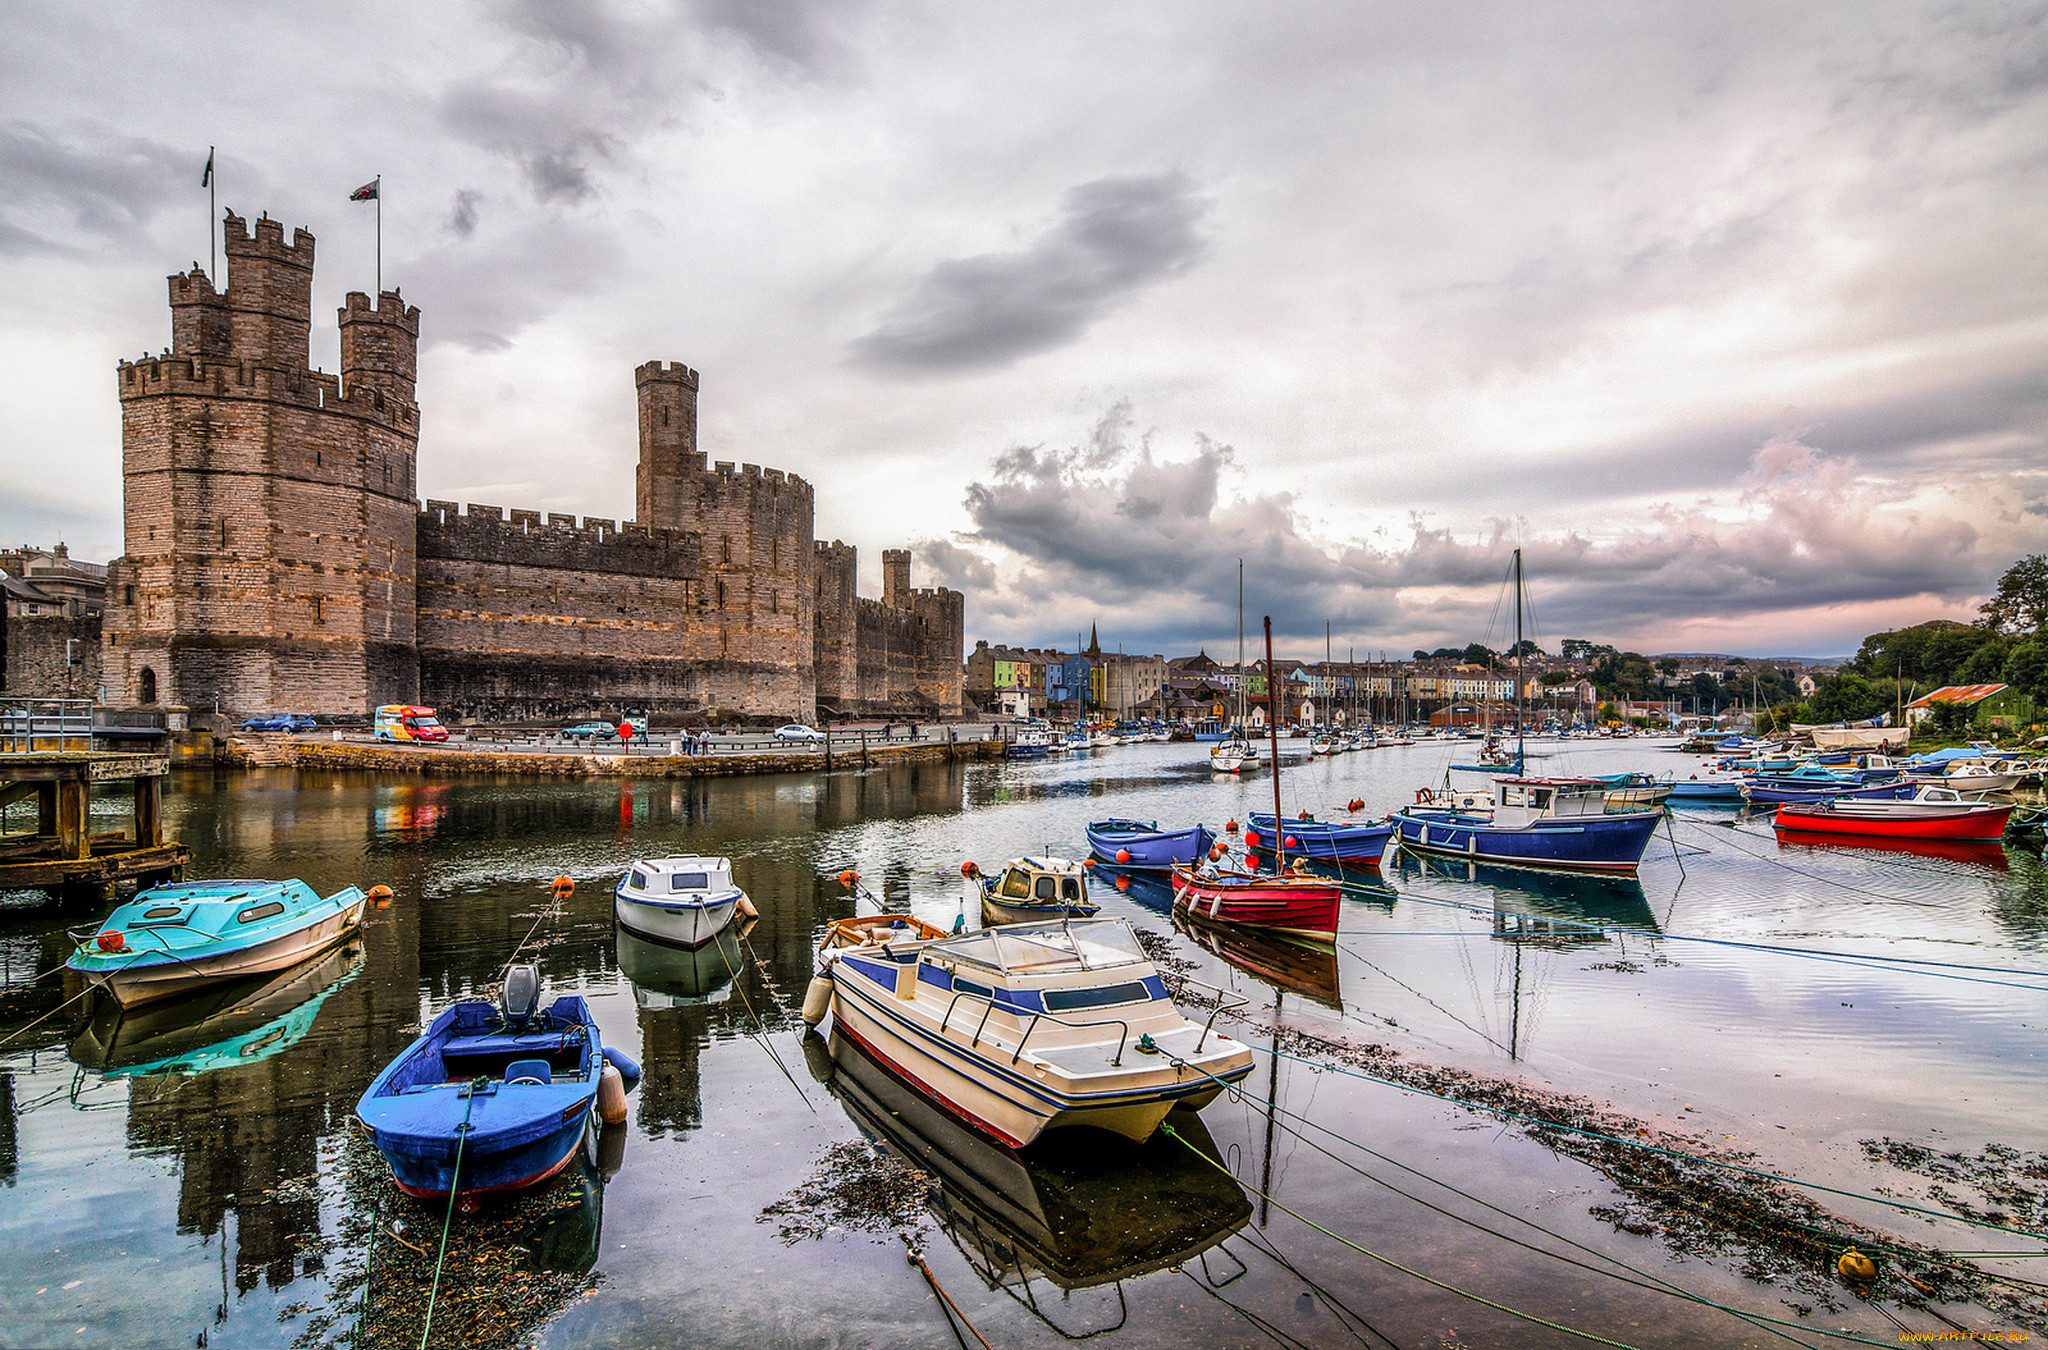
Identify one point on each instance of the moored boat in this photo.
(171, 939)
(1338, 841)
(492, 1096)
(1022, 1029)
(1142, 844)
(1028, 890)
(687, 900)
(1931, 813)
(1560, 823)
(1302, 904)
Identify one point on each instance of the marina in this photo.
(1783, 1002)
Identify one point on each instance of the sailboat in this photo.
(1564, 823)
(1235, 754)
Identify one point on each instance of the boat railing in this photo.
(1227, 1001)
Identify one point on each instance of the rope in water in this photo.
(1388, 1261)
(454, 1183)
(911, 1254)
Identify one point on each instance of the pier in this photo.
(47, 840)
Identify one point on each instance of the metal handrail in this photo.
(1229, 1000)
(1221, 1007)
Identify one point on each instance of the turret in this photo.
(199, 315)
(379, 347)
(896, 577)
(270, 292)
(664, 490)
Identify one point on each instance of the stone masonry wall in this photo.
(32, 656)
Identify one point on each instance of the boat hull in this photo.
(1274, 904)
(1575, 844)
(140, 984)
(485, 1168)
(1150, 850)
(1359, 845)
(1966, 824)
(1769, 793)
(1005, 1104)
(685, 925)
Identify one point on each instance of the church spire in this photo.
(1094, 643)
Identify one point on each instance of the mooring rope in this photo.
(454, 1192)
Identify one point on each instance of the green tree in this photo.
(1847, 697)
(1929, 655)
(1478, 654)
(2021, 604)
(1623, 675)
(1951, 718)
(2026, 668)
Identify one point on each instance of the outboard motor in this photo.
(519, 1000)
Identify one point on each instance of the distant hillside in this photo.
(1774, 660)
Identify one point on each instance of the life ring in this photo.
(1424, 795)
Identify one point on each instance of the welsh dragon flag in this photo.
(366, 193)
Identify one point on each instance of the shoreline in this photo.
(392, 758)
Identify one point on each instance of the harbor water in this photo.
(192, 1175)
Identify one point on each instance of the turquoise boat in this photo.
(173, 939)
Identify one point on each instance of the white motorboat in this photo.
(1235, 755)
(1022, 1029)
(685, 900)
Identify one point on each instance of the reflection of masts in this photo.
(1273, 731)
(1515, 1009)
(1272, 1105)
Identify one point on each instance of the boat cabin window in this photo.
(1016, 884)
(1044, 889)
(689, 881)
(961, 986)
(640, 881)
(255, 912)
(1070, 888)
(163, 911)
(1089, 944)
(1102, 996)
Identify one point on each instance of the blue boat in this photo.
(1141, 844)
(1706, 790)
(510, 1085)
(1792, 790)
(1334, 841)
(173, 939)
(1561, 823)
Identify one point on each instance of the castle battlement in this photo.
(267, 240)
(593, 530)
(391, 308)
(177, 374)
(664, 372)
(194, 288)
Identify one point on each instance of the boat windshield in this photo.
(1079, 944)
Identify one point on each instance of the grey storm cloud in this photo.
(1114, 237)
(85, 178)
(1155, 542)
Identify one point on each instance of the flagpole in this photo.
(380, 240)
(212, 214)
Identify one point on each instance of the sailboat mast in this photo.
(1273, 730)
(1521, 685)
(1240, 646)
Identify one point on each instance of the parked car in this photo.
(281, 722)
(594, 730)
(797, 731)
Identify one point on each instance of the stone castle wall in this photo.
(33, 651)
(276, 560)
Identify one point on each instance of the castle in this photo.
(276, 558)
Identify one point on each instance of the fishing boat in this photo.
(687, 900)
(1560, 823)
(1299, 903)
(1337, 841)
(1028, 890)
(1931, 813)
(1018, 1030)
(1712, 788)
(1033, 743)
(493, 1096)
(171, 939)
(1142, 844)
(1769, 791)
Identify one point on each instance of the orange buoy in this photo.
(850, 877)
(1087, 862)
(1251, 838)
(1356, 804)
(1230, 827)
(112, 941)
(1305, 816)
(1855, 1267)
(564, 884)
(380, 896)
(1123, 882)
(1123, 855)
(1216, 852)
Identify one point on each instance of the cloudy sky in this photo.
(1732, 315)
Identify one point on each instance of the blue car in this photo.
(597, 730)
(281, 722)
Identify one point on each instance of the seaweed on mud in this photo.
(1767, 1231)
(497, 1283)
(854, 1189)
(2003, 1185)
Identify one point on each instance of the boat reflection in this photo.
(1079, 1209)
(1152, 890)
(666, 976)
(220, 1026)
(1551, 905)
(1987, 853)
(1300, 968)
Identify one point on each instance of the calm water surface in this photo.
(180, 1178)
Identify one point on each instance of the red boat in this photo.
(1300, 904)
(1987, 853)
(1931, 813)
